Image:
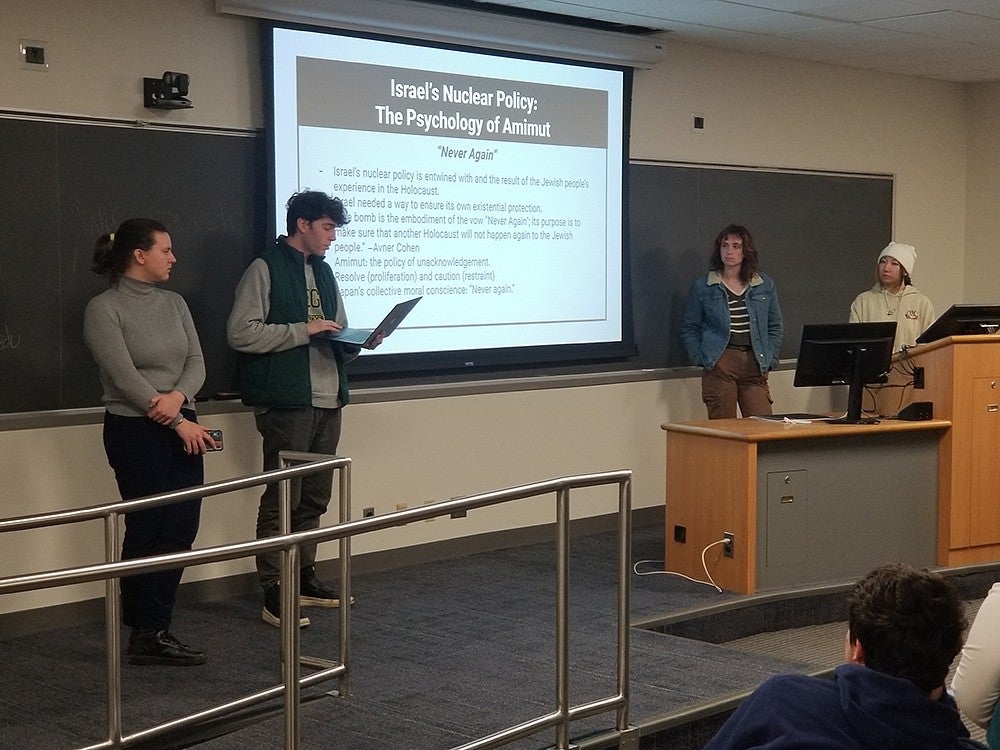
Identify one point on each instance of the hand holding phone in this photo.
(217, 437)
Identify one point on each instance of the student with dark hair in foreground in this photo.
(904, 629)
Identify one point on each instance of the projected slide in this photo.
(490, 186)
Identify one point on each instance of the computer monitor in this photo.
(852, 354)
(961, 320)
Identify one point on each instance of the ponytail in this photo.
(113, 251)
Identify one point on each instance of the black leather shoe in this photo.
(160, 647)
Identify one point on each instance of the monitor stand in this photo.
(857, 389)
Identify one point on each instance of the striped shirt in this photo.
(739, 319)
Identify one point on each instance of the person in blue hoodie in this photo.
(904, 629)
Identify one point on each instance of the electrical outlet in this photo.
(33, 55)
(727, 548)
(367, 512)
(918, 377)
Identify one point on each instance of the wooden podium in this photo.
(961, 377)
(805, 503)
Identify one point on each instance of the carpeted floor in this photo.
(443, 653)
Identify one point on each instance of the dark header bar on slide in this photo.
(356, 96)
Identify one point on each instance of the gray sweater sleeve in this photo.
(246, 330)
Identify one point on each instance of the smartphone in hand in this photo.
(217, 437)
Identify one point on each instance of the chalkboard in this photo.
(818, 236)
(64, 184)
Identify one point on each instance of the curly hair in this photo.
(909, 622)
(312, 205)
(749, 266)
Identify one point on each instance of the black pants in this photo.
(311, 430)
(149, 459)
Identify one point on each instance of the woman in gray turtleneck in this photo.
(147, 349)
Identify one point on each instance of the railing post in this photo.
(289, 611)
(112, 621)
(343, 682)
(562, 617)
(624, 597)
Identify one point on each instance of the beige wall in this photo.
(759, 111)
(983, 185)
(100, 50)
(770, 112)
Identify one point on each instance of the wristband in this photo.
(176, 421)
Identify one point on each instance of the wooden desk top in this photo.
(762, 430)
(976, 338)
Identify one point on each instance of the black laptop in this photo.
(365, 337)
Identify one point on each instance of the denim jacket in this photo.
(705, 325)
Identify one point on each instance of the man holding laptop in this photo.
(284, 321)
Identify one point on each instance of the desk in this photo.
(807, 503)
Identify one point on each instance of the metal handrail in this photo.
(310, 464)
(288, 545)
(94, 512)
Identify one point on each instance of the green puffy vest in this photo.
(281, 379)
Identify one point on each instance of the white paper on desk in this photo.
(790, 420)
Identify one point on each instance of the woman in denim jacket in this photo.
(732, 328)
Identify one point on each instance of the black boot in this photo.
(160, 647)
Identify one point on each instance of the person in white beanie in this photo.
(894, 298)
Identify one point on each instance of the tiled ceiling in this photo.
(953, 40)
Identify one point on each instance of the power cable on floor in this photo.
(710, 582)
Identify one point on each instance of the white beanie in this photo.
(905, 254)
